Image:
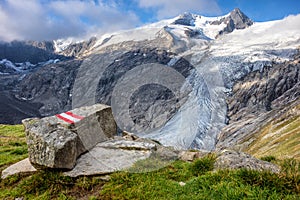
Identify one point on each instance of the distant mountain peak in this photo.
(236, 10)
(240, 18)
(187, 19)
(236, 19)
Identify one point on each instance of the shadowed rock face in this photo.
(51, 86)
(14, 110)
(30, 51)
(151, 102)
(236, 20)
(79, 49)
(187, 19)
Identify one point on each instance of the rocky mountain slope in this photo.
(179, 81)
(264, 111)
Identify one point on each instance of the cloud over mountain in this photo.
(46, 20)
(170, 8)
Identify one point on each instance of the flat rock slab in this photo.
(111, 156)
(22, 167)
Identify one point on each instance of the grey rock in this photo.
(54, 143)
(229, 159)
(54, 149)
(192, 155)
(122, 154)
(165, 153)
(129, 136)
(111, 156)
(128, 145)
(21, 167)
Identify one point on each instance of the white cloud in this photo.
(170, 8)
(47, 20)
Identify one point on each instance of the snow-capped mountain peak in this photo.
(185, 25)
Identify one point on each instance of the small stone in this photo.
(192, 155)
(22, 167)
(182, 183)
(105, 178)
(129, 136)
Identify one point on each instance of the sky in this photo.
(54, 19)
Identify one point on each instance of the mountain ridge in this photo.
(210, 54)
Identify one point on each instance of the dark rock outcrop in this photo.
(258, 99)
(29, 51)
(186, 19)
(50, 86)
(79, 49)
(13, 110)
(236, 20)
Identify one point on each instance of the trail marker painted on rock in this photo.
(69, 117)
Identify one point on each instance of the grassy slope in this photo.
(280, 138)
(12, 144)
(199, 181)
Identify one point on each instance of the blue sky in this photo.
(53, 19)
(262, 10)
(258, 10)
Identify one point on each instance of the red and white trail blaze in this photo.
(69, 117)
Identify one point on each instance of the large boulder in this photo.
(57, 141)
(229, 159)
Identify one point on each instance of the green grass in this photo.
(268, 158)
(280, 137)
(49, 185)
(12, 144)
(208, 184)
(176, 180)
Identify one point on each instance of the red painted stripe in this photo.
(65, 119)
(73, 115)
